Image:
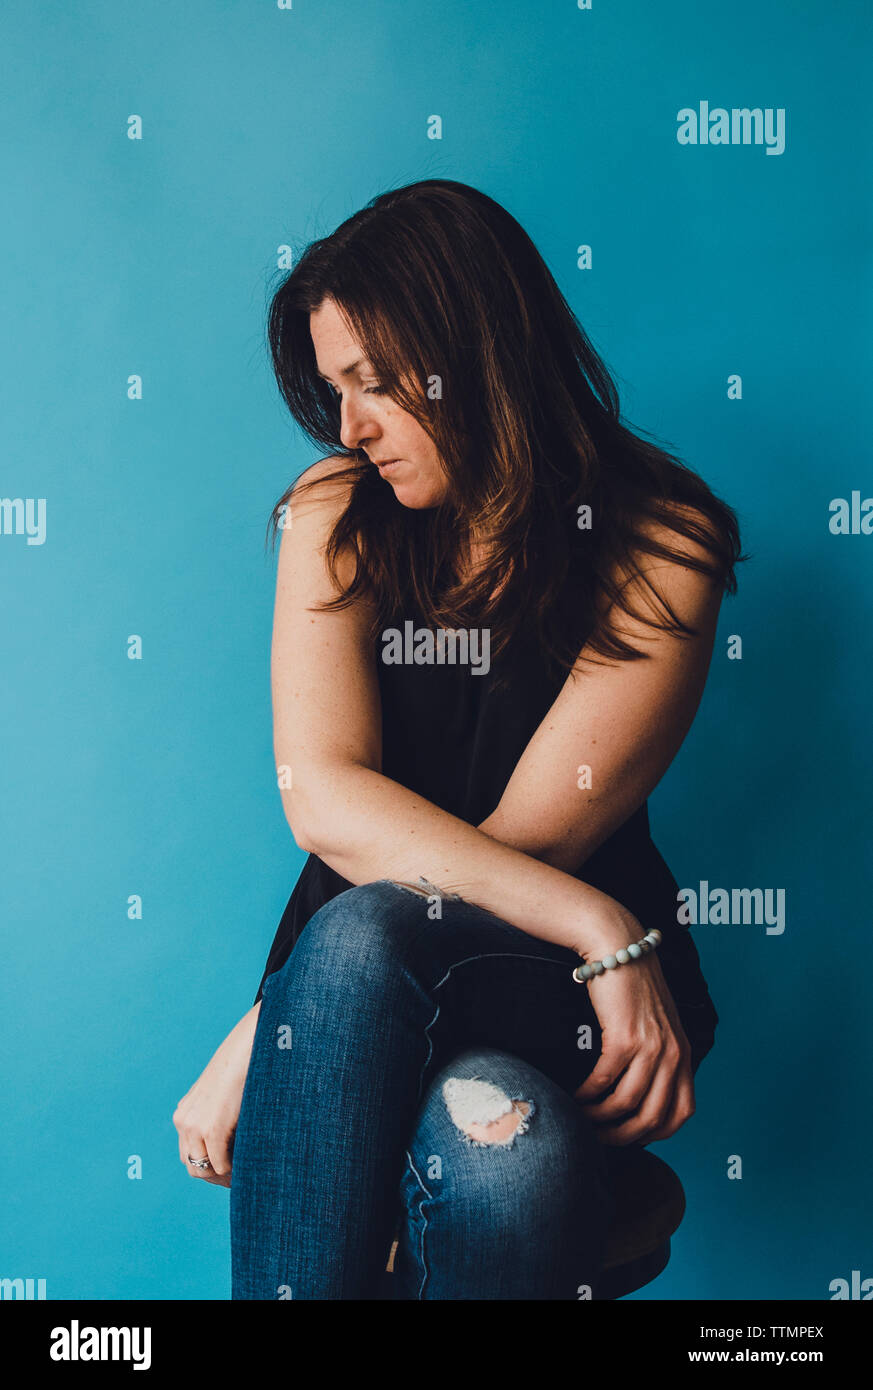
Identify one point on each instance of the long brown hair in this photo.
(467, 330)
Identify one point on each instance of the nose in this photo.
(357, 422)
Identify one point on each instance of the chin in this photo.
(416, 498)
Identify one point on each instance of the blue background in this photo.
(157, 257)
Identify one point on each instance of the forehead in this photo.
(331, 335)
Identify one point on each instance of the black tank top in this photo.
(455, 737)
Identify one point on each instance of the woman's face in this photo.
(372, 421)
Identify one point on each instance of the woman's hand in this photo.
(645, 1050)
(207, 1115)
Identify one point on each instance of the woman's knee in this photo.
(487, 1096)
(501, 1135)
(358, 938)
(504, 1190)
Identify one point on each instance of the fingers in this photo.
(609, 1066)
(214, 1148)
(638, 1127)
(640, 1079)
(653, 1092)
(682, 1109)
(633, 1086)
(218, 1147)
(197, 1148)
(216, 1180)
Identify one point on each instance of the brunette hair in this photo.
(438, 282)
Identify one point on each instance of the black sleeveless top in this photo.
(449, 735)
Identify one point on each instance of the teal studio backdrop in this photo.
(262, 127)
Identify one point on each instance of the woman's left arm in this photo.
(617, 726)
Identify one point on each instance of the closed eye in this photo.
(368, 391)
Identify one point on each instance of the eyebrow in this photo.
(345, 371)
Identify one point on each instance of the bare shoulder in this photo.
(698, 545)
(316, 499)
(313, 506)
(325, 486)
(672, 575)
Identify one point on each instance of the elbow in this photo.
(321, 804)
(308, 835)
(301, 822)
(315, 818)
(302, 838)
(559, 855)
(556, 851)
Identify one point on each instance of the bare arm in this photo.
(614, 729)
(327, 723)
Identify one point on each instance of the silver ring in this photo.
(199, 1162)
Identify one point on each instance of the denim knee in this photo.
(359, 939)
(498, 1138)
(518, 1207)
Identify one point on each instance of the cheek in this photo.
(412, 441)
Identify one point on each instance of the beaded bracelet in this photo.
(624, 956)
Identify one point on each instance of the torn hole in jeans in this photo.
(483, 1114)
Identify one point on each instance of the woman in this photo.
(495, 611)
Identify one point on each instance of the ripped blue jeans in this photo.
(412, 1077)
